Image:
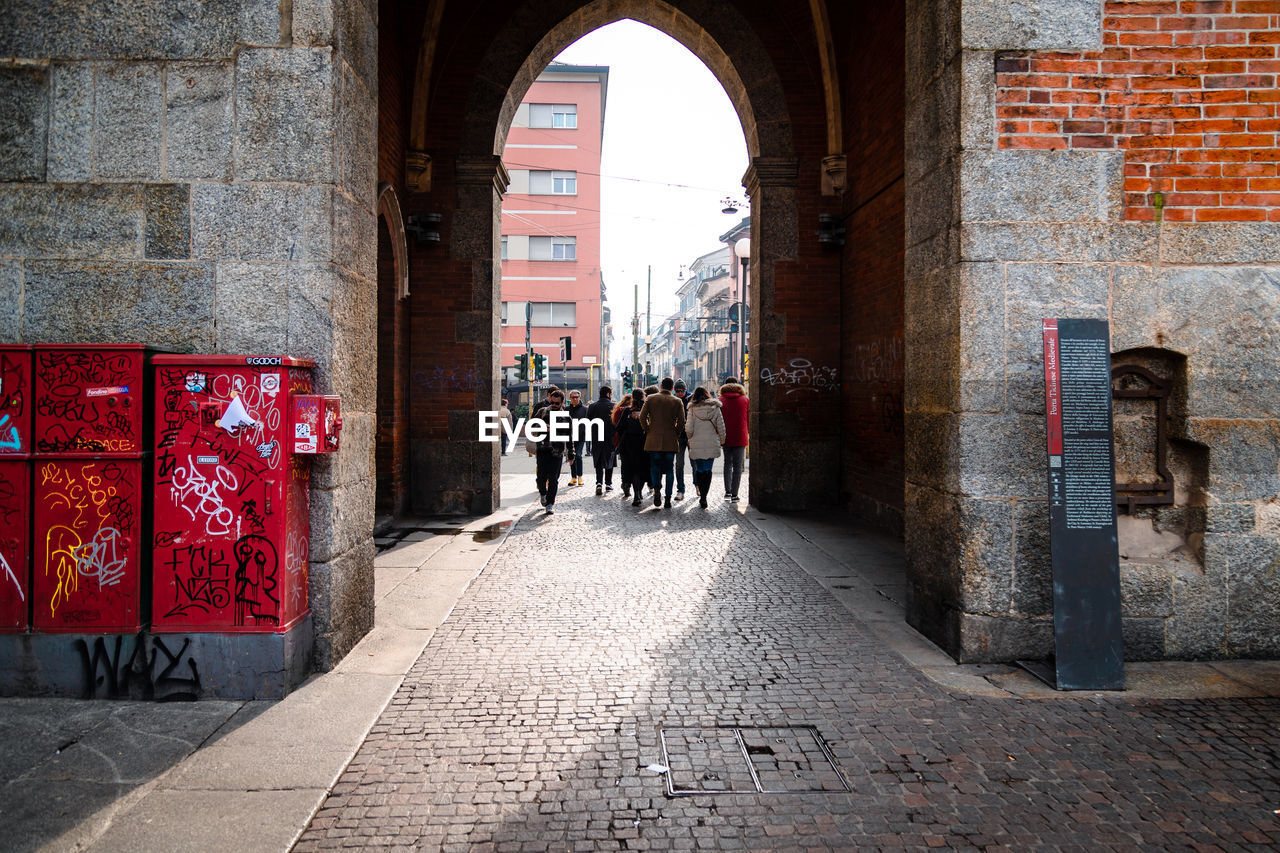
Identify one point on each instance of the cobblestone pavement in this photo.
(532, 721)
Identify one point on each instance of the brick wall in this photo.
(872, 302)
(395, 62)
(1187, 90)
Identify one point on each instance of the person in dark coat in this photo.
(682, 394)
(619, 412)
(550, 454)
(663, 419)
(631, 446)
(603, 452)
(577, 412)
(735, 407)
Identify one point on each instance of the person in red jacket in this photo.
(735, 407)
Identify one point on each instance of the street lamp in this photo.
(742, 249)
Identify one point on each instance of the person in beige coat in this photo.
(705, 428)
(663, 419)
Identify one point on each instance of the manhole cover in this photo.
(737, 760)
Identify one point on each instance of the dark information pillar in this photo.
(1088, 646)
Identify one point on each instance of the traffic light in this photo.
(626, 380)
(733, 317)
(522, 367)
(539, 367)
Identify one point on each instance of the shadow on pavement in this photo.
(65, 760)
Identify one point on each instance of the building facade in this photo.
(551, 227)
(223, 177)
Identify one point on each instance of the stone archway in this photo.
(515, 57)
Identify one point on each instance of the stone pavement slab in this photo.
(535, 718)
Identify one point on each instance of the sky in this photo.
(673, 148)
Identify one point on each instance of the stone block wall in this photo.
(1186, 90)
(1045, 233)
(200, 176)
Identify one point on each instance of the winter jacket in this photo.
(602, 410)
(663, 418)
(631, 436)
(686, 400)
(560, 448)
(735, 407)
(577, 413)
(705, 427)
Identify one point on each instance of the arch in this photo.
(700, 26)
(523, 46)
(834, 164)
(389, 210)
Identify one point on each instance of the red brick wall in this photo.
(1187, 90)
(872, 81)
(393, 425)
(391, 453)
(397, 59)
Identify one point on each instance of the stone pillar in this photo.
(455, 472)
(1000, 237)
(931, 336)
(790, 468)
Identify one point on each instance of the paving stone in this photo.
(590, 629)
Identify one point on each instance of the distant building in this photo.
(705, 301)
(740, 294)
(688, 343)
(551, 225)
(662, 349)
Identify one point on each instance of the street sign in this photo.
(1088, 645)
(588, 359)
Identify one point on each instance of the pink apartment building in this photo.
(551, 226)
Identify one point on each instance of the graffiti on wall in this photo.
(156, 673)
(437, 380)
(85, 522)
(879, 360)
(14, 535)
(85, 400)
(13, 402)
(802, 375)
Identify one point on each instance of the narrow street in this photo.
(606, 653)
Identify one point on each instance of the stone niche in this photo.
(1160, 494)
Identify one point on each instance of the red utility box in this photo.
(15, 400)
(89, 516)
(316, 419)
(89, 439)
(232, 512)
(15, 545)
(89, 399)
(15, 486)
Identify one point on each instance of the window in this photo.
(564, 313)
(553, 248)
(544, 313)
(553, 183)
(553, 115)
(504, 248)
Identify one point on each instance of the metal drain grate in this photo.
(744, 760)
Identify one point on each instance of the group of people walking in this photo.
(650, 432)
